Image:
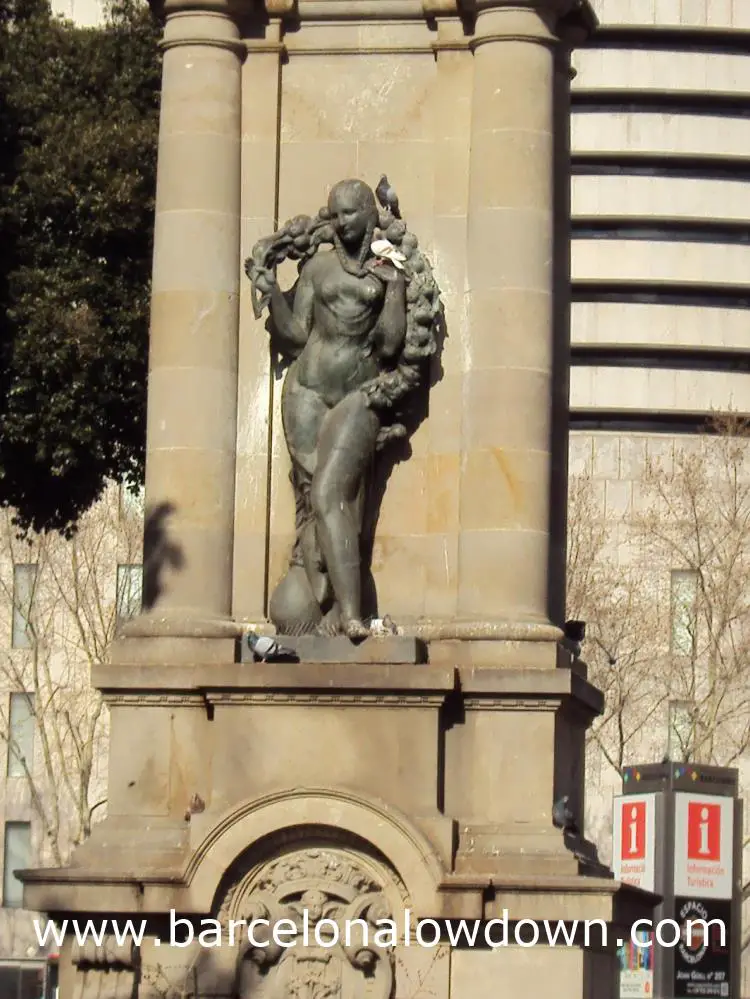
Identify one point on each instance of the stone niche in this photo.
(459, 105)
(358, 98)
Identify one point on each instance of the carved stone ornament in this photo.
(320, 892)
(355, 330)
(105, 971)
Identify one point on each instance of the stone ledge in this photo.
(501, 630)
(481, 682)
(476, 684)
(314, 649)
(173, 651)
(268, 677)
(61, 891)
(482, 688)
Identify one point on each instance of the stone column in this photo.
(192, 402)
(506, 446)
(258, 384)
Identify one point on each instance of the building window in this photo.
(20, 734)
(17, 856)
(24, 583)
(129, 591)
(684, 611)
(25, 980)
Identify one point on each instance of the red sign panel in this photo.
(634, 845)
(633, 832)
(703, 846)
(703, 831)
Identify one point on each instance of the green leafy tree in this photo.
(78, 125)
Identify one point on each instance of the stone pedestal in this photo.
(427, 786)
(413, 779)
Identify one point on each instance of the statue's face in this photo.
(314, 902)
(351, 214)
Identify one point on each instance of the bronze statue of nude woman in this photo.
(356, 326)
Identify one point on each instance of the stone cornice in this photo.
(351, 9)
(556, 8)
(345, 10)
(573, 21)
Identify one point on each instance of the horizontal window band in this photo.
(650, 164)
(642, 422)
(659, 356)
(668, 101)
(682, 230)
(661, 293)
(676, 38)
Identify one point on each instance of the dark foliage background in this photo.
(78, 133)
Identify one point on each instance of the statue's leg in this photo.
(345, 448)
(302, 414)
(296, 602)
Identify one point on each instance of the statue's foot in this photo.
(354, 628)
(331, 623)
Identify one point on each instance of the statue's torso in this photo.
(338, 357)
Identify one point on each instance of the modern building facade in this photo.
(660, 327)
(661, 239)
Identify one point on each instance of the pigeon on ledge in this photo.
(563, 817)
(268, 650)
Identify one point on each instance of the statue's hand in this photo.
(265, 281)
(387, 272)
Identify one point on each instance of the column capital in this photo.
(212, 23)
(168, 8)
(570, 20)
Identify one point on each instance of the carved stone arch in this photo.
(367, 825)
(360, 867)
(335, 895)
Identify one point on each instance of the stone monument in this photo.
(399, 450)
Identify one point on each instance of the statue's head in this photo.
(354, 210)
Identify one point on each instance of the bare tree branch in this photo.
(71, 625)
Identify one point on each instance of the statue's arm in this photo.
(292, 324)
(391, 327)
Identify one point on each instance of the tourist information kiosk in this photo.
(677, 831)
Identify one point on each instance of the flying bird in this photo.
(387, 196)
(611, 659)
(268, 650)
(563, 817)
